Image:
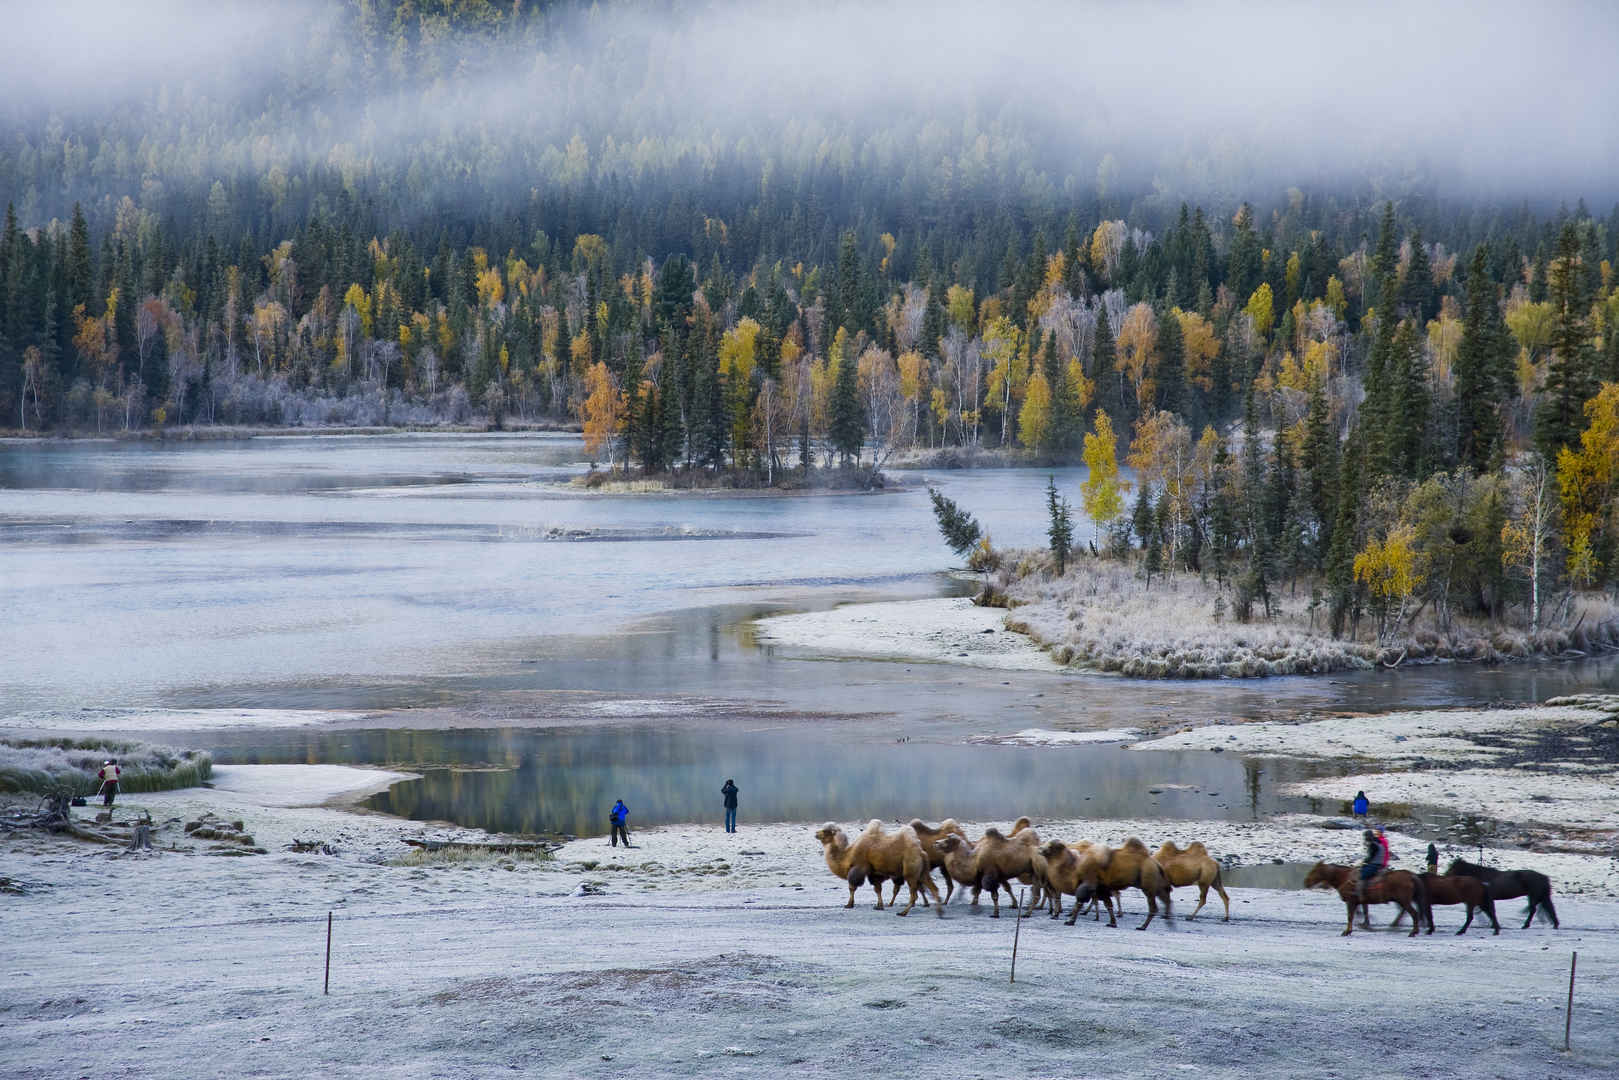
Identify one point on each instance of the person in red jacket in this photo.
(109, 776)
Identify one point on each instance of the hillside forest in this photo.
(1403, 391)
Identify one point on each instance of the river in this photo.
(602, 641)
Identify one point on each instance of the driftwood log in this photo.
(491, 847)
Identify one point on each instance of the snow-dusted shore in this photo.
(710, 952)
(950, 630)
(1470, 761)
(93, 721)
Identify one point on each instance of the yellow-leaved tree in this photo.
(1261, 308)
(1102, 493)
(1388, 569)
(1586, 485)
(1034, 419)
(1136, 347)
(602, 411)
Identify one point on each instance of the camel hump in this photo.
(921, 826)
(950, 824)
(1135, 845)
(1168, 850)
(875, 825)
(992, 833)
(1195, 848)
(1021, 823)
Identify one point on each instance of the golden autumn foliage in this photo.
(1034, 419)
(602, 411)
(1588, 483)
(1261, 308)
(1102, 493)
(1136, 347)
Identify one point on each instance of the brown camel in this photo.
(960, 865)
(1002, 859)
(929, 836)
(1193, 865)
(876, 856)
(1130, 866)
(1057, 865)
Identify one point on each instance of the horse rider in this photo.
(1373, 863)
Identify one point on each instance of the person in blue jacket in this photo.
(621, 823)
(1361, 805)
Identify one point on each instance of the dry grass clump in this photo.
(1103, 615)
(470, 857)
(46, 764)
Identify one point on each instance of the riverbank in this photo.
(699, 950)
(951, 630)
(228, 432)
(1547, 774)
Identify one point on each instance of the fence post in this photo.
(1017, 929)
(1568, 1014)
(328, 987)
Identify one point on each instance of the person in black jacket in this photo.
(1433, 859)
(729, 791)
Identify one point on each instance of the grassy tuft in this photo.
(42, 765)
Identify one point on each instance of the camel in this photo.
(1130, 866)
(960, 864)
(929, 836)
(876, 856)
(1193, 866)
(1002, 859)
(1056, 865)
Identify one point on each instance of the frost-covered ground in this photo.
(740, 961)
(1548, 765)
(951, 630)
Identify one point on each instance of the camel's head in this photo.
(829, 834)
(1051, 849)
(950, 842)
(951, 825)
(1020, 824)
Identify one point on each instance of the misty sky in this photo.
(1492, 93)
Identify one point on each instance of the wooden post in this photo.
(1568, 1014)
(328, 987)
(1017, 929)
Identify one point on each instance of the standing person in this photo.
(109, 776)
(729, 791)
(1433, 859)
(621, 823)
(1361, 805)
(1384, 855)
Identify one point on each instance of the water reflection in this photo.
(563, 781)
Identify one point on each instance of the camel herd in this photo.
(1093, 874)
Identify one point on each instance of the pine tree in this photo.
(959, 528)
(1319, 461)
(1417, 291)
(1483, 369)
(1571, 378)
(1385, 262)
(1060, 526)
(847, 426)
(1412, 406)
(1243, 266)
(1171, 373)
(1341, 555)
(1141, 518)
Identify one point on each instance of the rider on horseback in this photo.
(1374, 862)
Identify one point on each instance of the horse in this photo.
(1400, 887)
(1510, 884)
(1458, 889)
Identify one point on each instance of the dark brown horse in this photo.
(1400, 887)
(1459, 889)
(1510, 884)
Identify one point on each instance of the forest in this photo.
(1400, 385)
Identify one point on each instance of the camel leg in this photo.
(1224, 899)
(949, 885)
(995, 897)
(1152, 909)
(938, 905)
(1202, 898)
(908, 907)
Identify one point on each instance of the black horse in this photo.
(1507, 884)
